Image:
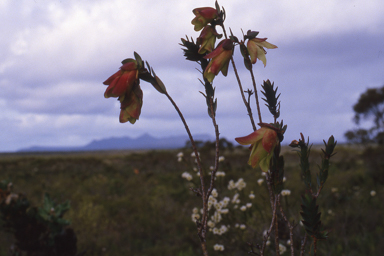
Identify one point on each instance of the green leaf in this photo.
(138, 60)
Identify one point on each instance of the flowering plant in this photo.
(265, 141)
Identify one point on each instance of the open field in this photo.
(137, 203)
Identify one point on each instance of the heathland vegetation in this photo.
(139, 203)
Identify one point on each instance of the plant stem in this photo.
(202, 227)
(290, 226)
(257, 98)
(277, 198)
(303, 245)
(249, 110)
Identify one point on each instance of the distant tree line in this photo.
(370, 106)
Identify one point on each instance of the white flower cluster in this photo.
(285, 192)
(194, 155)
(241, 226)
(186, 175)
(239, 185)
(282, 249)
(235, 199)
(218, 247)
(220, 231)
(214, 193)
(195, 214)
(220, 174)
(180, 156)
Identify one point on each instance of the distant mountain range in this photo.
(145, 141)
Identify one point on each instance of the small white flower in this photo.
(202, 210)
(218, 206)
(263, 174)
(179, 159)
(186, 176)
(231, 185)
(282, 248)
(260, 181)
(268, 243)
(223, 229)
(284, 179)
(237, 225)
(224, 211)
(251, 196)
(373, 193)
(211, 224)
(249, 205)
(221, 158)
(235, 198)
(285, 192)
(195, 210)
(218, 247)
(215, 231)
(180, 154)
(195, 169)
(225, 201)
(195, 216)
(211, 168)
(242, 226)
(194, 155)
(214, 193)
(216, 217)
(330, 212)
(288, 242)
(243, 208)
(212, 199)
(240, 184)
(220, 174)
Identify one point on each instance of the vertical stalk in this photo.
(277, 198)
(249, 110)
(257, 98)
(202, 227)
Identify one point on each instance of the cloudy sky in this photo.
(54, 56)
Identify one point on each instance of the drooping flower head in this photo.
(207, 39)
(123, 80)
(204, 15)
(124, 84)
(220, 58)
(263, 141)
(256, 49)
(131, 105)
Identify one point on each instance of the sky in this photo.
(55, 55)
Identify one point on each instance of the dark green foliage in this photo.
(191, 50)
(311, 217)
(327, 154)
(304, 161)
(277, 173)
(37, 230)
(271, 98)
